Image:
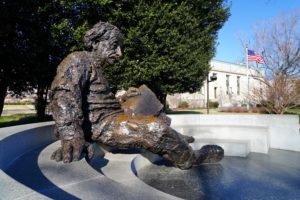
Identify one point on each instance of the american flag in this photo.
(253, 56)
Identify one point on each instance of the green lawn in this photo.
(19, 119)
(294, 111)
(15, 117)
(182, 112)
(193, 111)
(19, 103)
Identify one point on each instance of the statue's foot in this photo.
(209, 154)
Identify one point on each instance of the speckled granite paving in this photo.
(110, 177)
(259, 176)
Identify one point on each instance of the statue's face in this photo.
(109, 50)
(113, 52)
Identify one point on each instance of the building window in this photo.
(227, 85)
(215, 92)
(238, 85)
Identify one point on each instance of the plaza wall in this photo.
(261, 131)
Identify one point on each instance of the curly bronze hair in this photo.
(101, 31)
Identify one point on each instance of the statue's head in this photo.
(105, 40)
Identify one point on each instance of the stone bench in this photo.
(256, 136)
(263, 131)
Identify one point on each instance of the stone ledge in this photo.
(257, 136)
(282, 130)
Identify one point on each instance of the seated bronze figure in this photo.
(85, 111)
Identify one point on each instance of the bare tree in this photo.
(278, 41)
(277, 95)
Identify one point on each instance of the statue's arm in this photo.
(68, 121)
(66, 103)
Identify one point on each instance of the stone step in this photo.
(240, 148)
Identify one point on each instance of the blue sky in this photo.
(245, 14)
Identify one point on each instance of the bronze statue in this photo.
(85, 111)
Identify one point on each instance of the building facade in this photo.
(25, 97)
(229, 90)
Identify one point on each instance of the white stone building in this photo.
(230, 88)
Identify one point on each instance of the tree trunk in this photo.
(41, 102)
(163, 99)
(3, 91)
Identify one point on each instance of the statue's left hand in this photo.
(71, 150)
(131, 92)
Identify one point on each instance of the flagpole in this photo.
(247, 65)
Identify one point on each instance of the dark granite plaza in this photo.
(259, 176)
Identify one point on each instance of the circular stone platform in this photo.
(114, 176)
(26, 172)
(48, 179)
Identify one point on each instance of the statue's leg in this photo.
(149, 133)
(177, 149)
(167, 120)
(207, 154)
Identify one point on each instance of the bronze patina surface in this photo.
(85, 111)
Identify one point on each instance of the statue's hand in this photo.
(131, 92)
(71, 150)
